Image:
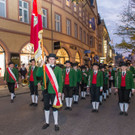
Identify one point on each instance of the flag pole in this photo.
(44, 63)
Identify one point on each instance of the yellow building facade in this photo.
(63, 21)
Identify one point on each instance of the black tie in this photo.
(52, 67)
(123, 73)
(95, 73)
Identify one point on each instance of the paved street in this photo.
(21, 119)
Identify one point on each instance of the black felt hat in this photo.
(109, 66)
(83, 67)
(10, 63)
(68, 61)
(123, 64)
(52, 55)
(32, 60)
(74, 64)
(95, 64)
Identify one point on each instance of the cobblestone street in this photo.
(21, 119)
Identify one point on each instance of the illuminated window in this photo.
(75, 8)
(62, 56)
(3, 8)
(23, 11)
(77, 58)
(80, 11)
(68, 3)
(44, 18)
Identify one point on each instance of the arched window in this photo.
(2, 63)
(62, 55)
(27, 53)
(77, 58)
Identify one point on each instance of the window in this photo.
(84, 36)
(91, 41)
(87, 39)
(75, 8)
(80, 33)
(57, 22)
(76, 30)
(23, 11)
(87, 19)
(3, 8)
(44, 18)
(68, 27)
(80, 11)
(90, 23)
(84, 17)
(68, 3)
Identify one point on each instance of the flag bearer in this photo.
(33, 83)
(53, 77)
(111, 79)
(124, 83)
(84, 82)
(11, 78)
(78, 81)
(105, 82)
(96, 86)
(69, 79)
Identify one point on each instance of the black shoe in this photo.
(100, 103)
(12, 101)
(126, 114)
(57, 128)
(104, 99)
(66, 108)
(32, 104)
(74, 102)
(110, 93)
(96, 110)
(70, 109)
(45, 126)
(14, 96)
(93, 110)
(121, 113)
(35, 104)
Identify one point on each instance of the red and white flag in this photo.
(36, 31)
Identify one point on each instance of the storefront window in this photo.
(2, 63)
(62, 56)
(77, 58)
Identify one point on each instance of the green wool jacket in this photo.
(99, 79)
(34, 75)
(72, 77)
(112, 73)
(58, 74)
(85, 77)
(79, 75)
(105, 77)
(8, 78)
(129, 80)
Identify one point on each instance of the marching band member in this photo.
(53, 89)
(69, 78)
(95, 84)
(84, 82)
(33, 83)
(111, 80)
(79, 78)
(105, 82)
(11, 78)
(124, 83)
